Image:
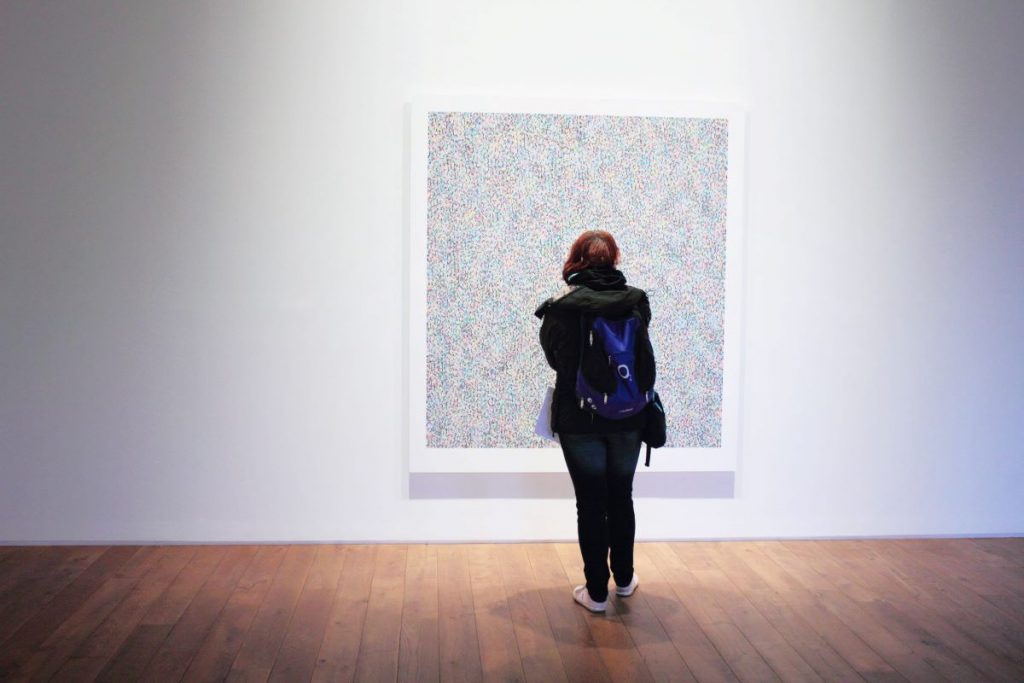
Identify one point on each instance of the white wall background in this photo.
(202, 204)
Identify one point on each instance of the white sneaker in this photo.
(581, 595)
(626, 591)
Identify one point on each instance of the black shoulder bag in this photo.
(654, 428)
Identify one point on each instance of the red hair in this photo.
(592, 248)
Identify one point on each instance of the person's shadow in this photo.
(647, 615)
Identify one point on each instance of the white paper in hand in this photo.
(543, 427)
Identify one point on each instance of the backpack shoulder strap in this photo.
(583, 338)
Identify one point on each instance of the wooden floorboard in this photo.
(777, 652)
(20, 653)
(706, 606)
(418, 651)
(535, 639)
(499, 653)
(619, 653)
(297, 657)
(852, 610)
(343, 633)
(30, 591)
(259, 651)
(215, 656)
(187, 569)
(581, 659)
(189, 632)
(378, 649)
(696, 649)
(156, 572)
(458, 642)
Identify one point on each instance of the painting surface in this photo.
(507, 195)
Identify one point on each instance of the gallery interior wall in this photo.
(202, 259)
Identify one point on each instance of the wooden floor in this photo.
(890, 610)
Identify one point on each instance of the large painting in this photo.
(500, 190)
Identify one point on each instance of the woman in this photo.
(601, 454)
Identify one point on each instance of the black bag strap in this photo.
(647, 461)
(584, 328)
(583, 338)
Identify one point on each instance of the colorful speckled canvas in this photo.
(507, 195)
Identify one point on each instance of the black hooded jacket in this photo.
(603, 292)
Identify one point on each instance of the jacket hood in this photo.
(601, 290)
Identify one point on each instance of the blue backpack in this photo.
(615, 377)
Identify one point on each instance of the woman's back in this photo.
(601, 290)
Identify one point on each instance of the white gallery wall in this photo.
(202, 259)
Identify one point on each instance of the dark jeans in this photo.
(602, 467)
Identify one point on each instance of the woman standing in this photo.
(601, 453)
